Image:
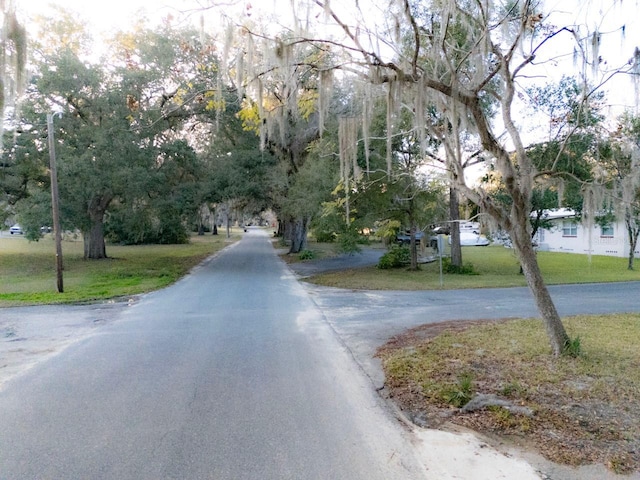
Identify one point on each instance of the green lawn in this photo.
(496, 267)
(28, 269)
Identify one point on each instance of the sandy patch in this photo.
(464, 456)
(30, 335)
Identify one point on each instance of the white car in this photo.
(16, 229)
(470, 239)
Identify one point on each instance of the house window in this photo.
(606, 231)
(569, 229)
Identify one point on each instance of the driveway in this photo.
(364, 320)
(366, 257)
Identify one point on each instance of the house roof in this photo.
(555, 213)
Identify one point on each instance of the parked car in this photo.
(404, 238)
(470, 239)
(16, 229)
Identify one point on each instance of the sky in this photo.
(604, 15)
(106, 15)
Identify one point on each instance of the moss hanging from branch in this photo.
(393, 103)
(13, 49)
(325, 92)
(592, 205)
(367, 113)
(348, 128)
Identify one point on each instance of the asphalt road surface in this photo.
(232, 373)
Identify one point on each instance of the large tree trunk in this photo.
(633, 241)
(523, 246)
(454, 231)
(94, 244)
(298, 235)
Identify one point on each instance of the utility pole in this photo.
(54, 201)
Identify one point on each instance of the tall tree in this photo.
(13, 57)
(619, 172)
(120, 136)
(282, 95)
(462, 55)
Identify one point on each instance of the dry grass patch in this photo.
(581, 410)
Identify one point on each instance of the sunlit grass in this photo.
(28, 269)
(496, 267)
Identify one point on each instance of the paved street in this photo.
(240, 372)
(364, 320)
(232, 373)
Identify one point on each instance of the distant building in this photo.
(570, 236)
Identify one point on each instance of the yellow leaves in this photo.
(206, 67)
(179, 97)
(214, 104)
(250, 116)
(307, 103)
(127, 41)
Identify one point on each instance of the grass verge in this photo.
(572, 410)
(496, 267)
(28, 269)
(319, 251)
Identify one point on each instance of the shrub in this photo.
(398, 256)
(349, 241)
(465, 269)
(306, 255)
(324, 236)
(459, 394)
(572, 348)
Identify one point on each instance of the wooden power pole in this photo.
(57, 233)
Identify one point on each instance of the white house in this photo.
(570, 236)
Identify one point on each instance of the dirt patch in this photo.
(599, 426)
(31, 335)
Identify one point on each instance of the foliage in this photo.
(465, 269)
(461, 63)
(349, 239)
(387, 230)
(124, 168)
(573, 348)
(398, 256)
(306, 255)
(324, 236)
(459, 394)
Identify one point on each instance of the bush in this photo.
(397, 257)
(460, 394)
(573, 348)
(306, 255)
(465, 269)
(324, 236)
(137, 227)
(349, 241)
